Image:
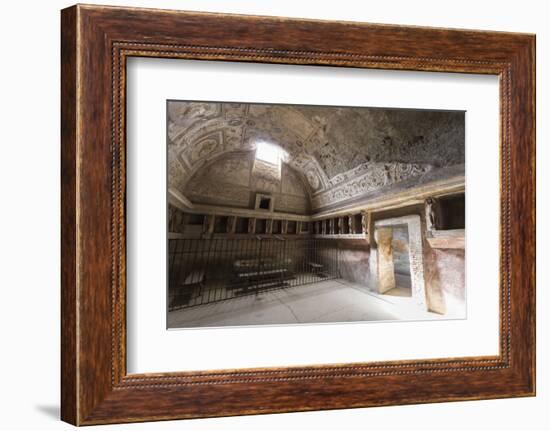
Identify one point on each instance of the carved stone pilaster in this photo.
(251, 225)
(351, 223)
(364, 223)
(177, 219)
(433, 215)
(231, 224)
(284, 226)
(208, 226)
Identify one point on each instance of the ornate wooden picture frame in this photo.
(96, 41)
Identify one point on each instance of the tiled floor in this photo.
(323, 302)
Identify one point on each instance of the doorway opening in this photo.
(397, 265)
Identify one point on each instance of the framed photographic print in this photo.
(266, 215)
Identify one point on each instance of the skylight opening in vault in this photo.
(269, 153)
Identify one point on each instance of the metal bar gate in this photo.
(202, 271)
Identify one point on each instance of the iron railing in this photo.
(202, 271)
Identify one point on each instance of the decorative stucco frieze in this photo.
(375, 176)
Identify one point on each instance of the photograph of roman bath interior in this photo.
(293, 214)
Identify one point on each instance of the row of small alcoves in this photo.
(223, 224)
(220, 224)
(446, 213)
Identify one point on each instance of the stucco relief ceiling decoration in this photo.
(340, 151)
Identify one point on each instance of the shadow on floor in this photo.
(52, 411)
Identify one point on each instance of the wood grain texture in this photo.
(69, 398)
(96, 41)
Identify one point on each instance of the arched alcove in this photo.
(231, 180)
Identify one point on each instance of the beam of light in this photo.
(269, 153)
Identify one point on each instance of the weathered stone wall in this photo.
(445, 277)
(230, 181)
(353, 258)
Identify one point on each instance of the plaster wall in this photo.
(353, 261)
(445, 276)
(231, 181)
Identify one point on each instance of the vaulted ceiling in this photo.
(339, 152)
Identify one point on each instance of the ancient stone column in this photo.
(269, 226)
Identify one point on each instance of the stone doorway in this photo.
(396, 264)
